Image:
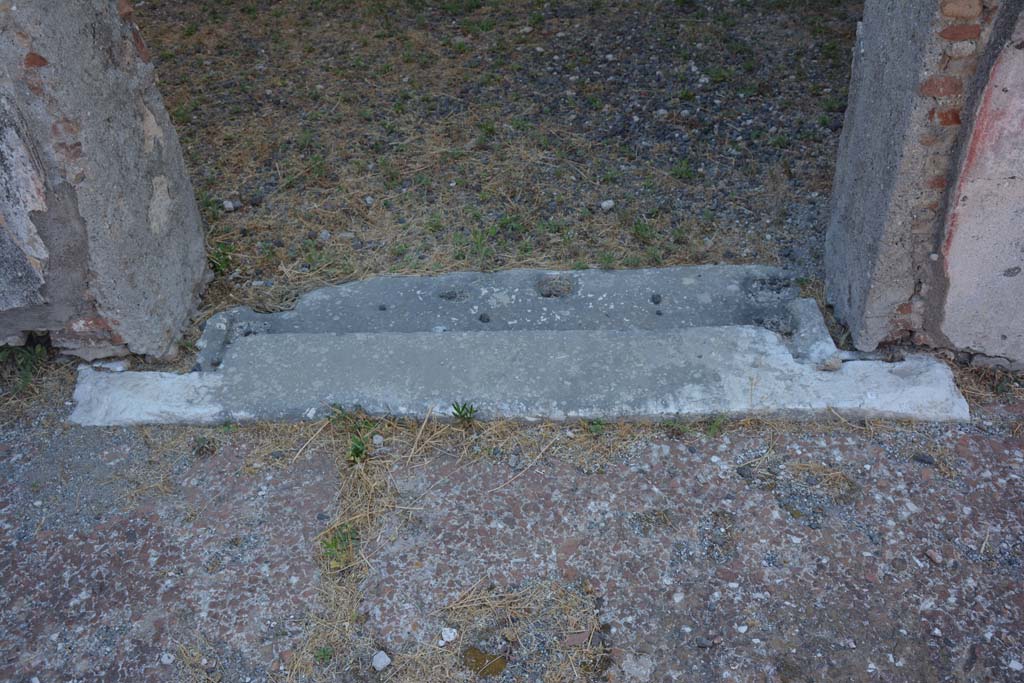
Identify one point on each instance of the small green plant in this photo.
(317, 166)
(597, 427)
(338, 548)
(720, 74)
(435, 223)
(323, 655)
(714, 427)
(643, 232)
(357, 449)
(26, 361)
(464, 412)
(305, 139)
(182, 114)
(220, 258)
(684, 170)
(834, 105)
(360, 429)
(677, 428)
(488, 129)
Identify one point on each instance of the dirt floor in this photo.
(352, 137)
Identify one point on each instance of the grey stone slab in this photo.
(690, 341)
(650, 299)
(561, 375)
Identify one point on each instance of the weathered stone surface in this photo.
(984, 245)
(655, 299)
(733, 340)
(100, 238)
(108, 567)
(781, 557)
(559, 375)
(868, 246)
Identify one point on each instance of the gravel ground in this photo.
(835, 557)
(715, 551)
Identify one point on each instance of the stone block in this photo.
(101, 242)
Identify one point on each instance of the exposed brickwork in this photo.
(964, 29)
(961, 9)
(942, 86)
(961, 32)
(948, 117)
(35, 61)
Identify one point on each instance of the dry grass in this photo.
(442, 115)
(987, 386)
(194, 666)
(21, 394)
(369, 494)
(836, 483)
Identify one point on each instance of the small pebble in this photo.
(656, 299)
(381, 660)
(924, 458)
(484, 318)
(702, 642)
(934, 555)
(378, 440)
(167, 658)
(324, 236)
(448, 635)
(368, 200)
(607, 205)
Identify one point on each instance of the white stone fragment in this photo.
(381, 660)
